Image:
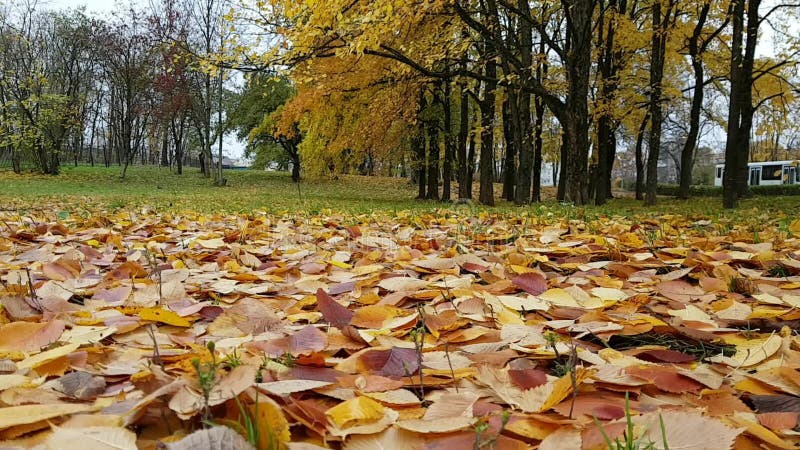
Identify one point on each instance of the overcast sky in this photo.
(94, 6)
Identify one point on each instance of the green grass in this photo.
(247, 191)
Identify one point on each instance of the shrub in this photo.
(716, 191)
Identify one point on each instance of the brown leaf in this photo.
(527, 378)
(247, 316)
(665, 378)
(775, 403)
(531, 282)
(307, 340)
(79, 385)
(29, 337)
(113, 297)
(126, 271)
(187, 402)
(779, 421)
(602, 405)
(336, 314)
(680, 291)
(393, 362)
(18, 308)
(670, 356)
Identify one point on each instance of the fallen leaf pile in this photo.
(413, 331)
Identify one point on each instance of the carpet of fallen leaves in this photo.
(410, 331)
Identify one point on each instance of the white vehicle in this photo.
(766, 173)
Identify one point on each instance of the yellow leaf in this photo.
(795, 227)
(520, 269)
(273, 428)
(356, 411)
(754, 387)
(764, 312)
(338, 264)
(49, 355)
(25, 414)
(531, 428)
(563, 387)
(559, 297)
(752, 352)
(759, 431)
(164, 316)
(94, 438)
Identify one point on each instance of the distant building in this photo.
(236, 164)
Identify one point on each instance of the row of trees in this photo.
(437, 90)
(443, 84)
(134, 87)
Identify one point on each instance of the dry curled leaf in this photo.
(216, 438)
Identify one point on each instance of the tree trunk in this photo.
(696, 48)
(447, 170)
(420, 147)
(509, 162)
(536, 182)
(562, 168)
(730, 190)
(464, 187)
(576, 116)
(660, 24)
(640, 157)
(486, 165)
(471, 164)
(433, 161)
(538, 125)
(524, 133)
(15, 162)
(165, 145)
(295, 156)
(747, 107)
(687, 153)
(421, 164)
(606, 141)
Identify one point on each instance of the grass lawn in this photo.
(157, 188)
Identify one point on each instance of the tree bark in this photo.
(730, 190)
(447, 168)
(509, 162)
(486, 195)
(640, 157)
(660, 24)
(464, 184)
(576, 117)
(538, 125)
(606, 126)
(434, 155)
(418, 144)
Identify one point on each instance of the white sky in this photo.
(92, 6)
